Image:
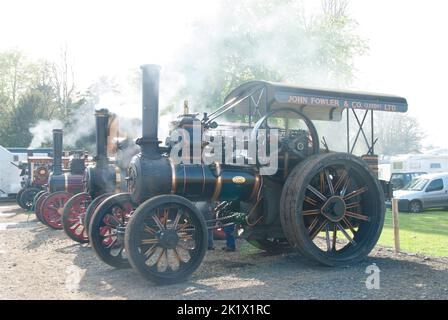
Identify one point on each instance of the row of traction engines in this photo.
(71, 195)
(141, 210)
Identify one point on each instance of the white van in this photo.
(424, 192)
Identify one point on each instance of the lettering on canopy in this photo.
(338, 102)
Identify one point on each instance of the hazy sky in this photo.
(407, 39)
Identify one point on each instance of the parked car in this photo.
(424, 192)
(399, 180)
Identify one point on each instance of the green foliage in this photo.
(270, 40)
(31, 91)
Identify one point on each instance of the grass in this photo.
(425, 233)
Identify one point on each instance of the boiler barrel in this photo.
(214, 182)
(72, 183)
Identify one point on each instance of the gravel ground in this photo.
(39, 263)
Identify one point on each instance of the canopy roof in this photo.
(260, 97)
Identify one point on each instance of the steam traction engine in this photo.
(48, 205)
(100, 182)
(328, 206)
(37, 173)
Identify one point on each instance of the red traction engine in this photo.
(49, 204)
(100, 182)
(38, 173)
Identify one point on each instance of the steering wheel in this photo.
(300, 142)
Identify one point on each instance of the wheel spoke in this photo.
(149, 230)
(335, 237)
(150, 241)
(345, 234)
(357, 216)
(327, 237)
(74, 227)
(355, 193)
(319, 229)
(352, 205)
(176, 220)
(322, 183)
(329, 182)
(158, 222)
(183, 226)
(165, 217)
(313, 224)
(311, 201)
(317, 193)
(341, 180)
(345, 186)
(349, 224)
(150, 251)
(310, 212)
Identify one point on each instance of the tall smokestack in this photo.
(102, 124)
(150, 112)
(57, 151)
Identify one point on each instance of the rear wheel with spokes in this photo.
(166, 239)
(332, 209)
(107, 227)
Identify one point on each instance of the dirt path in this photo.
(39, 263)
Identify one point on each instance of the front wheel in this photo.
(332, 209)
(107, 227)
(166, 239)
(27, 197)
(73, 217)
(52, 208)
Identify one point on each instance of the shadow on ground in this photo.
(260, 276)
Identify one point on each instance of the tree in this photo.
(30, 108)
(398, 134)
(270, 40)
(34, 90)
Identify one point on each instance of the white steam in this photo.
(42, 132)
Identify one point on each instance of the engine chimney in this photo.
(102, 124)
(57, 152)
(150, 112)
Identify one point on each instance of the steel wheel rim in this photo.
(338, 212)
(169, 240)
